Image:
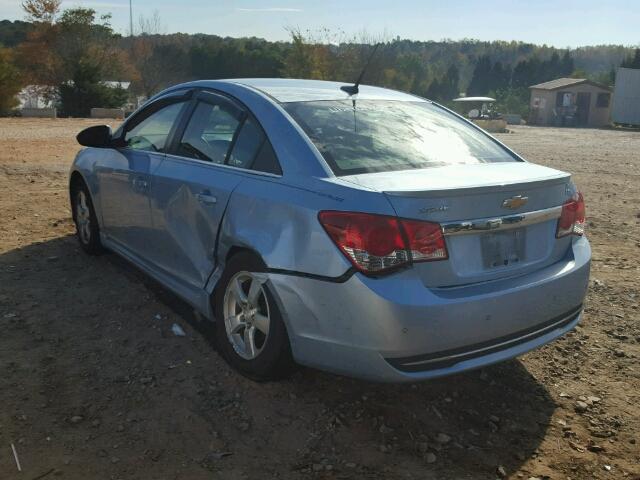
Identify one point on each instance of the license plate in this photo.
(503, 249)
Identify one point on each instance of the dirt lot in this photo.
(93, 384)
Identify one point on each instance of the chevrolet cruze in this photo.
(362, 231)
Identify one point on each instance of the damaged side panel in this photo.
(279, 221)
(188, 202)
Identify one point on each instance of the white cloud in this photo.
(269, 9)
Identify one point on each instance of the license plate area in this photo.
(503, 249)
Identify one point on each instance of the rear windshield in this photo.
(381, 135)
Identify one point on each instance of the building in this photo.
(626, 97)
(570, 102)
(37, 96)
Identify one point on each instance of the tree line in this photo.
(72, 51)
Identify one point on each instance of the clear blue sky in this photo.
(559, 23)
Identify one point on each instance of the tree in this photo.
(88, 54)
(86, 90)
(9, 81)
(632, 61)
(13, 33)
(76, 52)
(42, 11)
(157, 64)
(512, 100)
(480, 81)
(36, 57)
(307, 58)
(567, 65)
(452, 82)
(446, 88)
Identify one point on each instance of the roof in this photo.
(293, 90)
(567, 82)
(474, 99)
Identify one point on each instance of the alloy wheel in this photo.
(83, 218)
(246, 314)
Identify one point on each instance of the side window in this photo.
(266, 160)
(247, 145)
(210, 132)
(151, 134)
(252, 150)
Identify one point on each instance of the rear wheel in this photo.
(250, 332)
(84, 216)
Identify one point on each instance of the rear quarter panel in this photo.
(278, 219)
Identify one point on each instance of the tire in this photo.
(84, 216)
(252, 336)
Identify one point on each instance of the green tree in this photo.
(76, 52)
(10, 82)
(480, 81)
(512, 100)
(88, 54)
(632, 61)
(13, 33)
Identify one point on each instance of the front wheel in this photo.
(84, 216)
(250, 332)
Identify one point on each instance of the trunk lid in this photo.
(486, 237)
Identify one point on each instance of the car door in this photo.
(192, 186)
(125, 178)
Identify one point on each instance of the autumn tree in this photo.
(157, 60)
(74, 51)
(10, 82)
(35, 57)
(308, 57)
(88, 54)
(41, 11)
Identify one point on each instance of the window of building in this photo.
(603, 100)
(563, 99)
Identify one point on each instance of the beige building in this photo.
(570, 102)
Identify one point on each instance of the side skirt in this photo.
(197, 298)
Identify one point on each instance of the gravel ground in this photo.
(93, 384)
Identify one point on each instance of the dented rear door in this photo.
(188, 201)
(192, 187)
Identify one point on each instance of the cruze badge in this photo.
(439, 208)
(515, 202)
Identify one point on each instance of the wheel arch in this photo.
(229, 252)
(76, 180)
(237, 249)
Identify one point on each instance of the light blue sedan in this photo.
(363, 231)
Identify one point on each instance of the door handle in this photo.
(206, 198)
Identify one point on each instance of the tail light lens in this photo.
(572, 218)
(426, 241)
(376, 243)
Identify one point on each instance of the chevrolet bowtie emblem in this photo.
(515, 202)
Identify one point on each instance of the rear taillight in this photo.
(572, 218)
(426, 241)
(376, 243)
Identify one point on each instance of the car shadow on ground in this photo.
(468, 425)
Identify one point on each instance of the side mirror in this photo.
(98, 136)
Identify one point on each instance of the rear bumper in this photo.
(396, 329)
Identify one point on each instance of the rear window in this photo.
(378, 135)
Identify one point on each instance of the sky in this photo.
(566, 23)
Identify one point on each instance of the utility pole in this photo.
(131, 17)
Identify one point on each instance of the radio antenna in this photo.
(353, 89)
